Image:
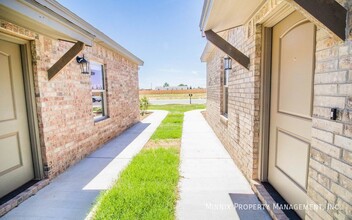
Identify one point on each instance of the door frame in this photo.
(278, 15)
(265, 103)
(282, 11)
(28, 81)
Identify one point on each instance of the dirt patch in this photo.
(146, 114)
(167, 143)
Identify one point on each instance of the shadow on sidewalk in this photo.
(248, 207)
(91, 172)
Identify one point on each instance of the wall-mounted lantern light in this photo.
(84, 64)
(227, 63)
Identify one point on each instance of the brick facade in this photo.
(330, 172)
(330, 166)
(68, 132)
(239, 132)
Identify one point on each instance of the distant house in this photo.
(52, 112)
(283, 106)
(171, 88)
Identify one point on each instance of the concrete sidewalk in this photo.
(211, 186)
(72, 194)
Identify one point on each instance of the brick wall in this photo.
(330, 166)
(330, 170)
(240, 131)
(68, 132)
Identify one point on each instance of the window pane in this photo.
(97, 76)
(98, 104)
(226, 100)
(226, 77)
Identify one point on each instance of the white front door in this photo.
(16, 167)
(293, 46)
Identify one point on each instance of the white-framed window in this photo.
(227, 63)
(98, 83)
(225, 92)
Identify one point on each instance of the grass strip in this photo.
(147, 188)
(171, 126)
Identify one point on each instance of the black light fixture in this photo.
(227, 63)
(84, 64)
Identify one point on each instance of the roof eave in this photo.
(208, 49)
(99, 36)
(207, 5)
(63, 24)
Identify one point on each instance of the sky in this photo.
(163, 33)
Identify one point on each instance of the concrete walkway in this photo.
(211, 186)
(71, 195)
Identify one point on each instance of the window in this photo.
(225, 92)
(98, 91)
(227, 61)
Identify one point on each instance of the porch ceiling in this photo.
(219, 15)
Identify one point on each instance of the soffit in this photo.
(219, 15)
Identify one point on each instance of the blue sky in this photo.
(163, 33)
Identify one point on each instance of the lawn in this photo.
(147, 188)
(171, 126)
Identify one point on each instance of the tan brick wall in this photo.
(240, 134)
(68, 132)
(330, 170)
(330, 167)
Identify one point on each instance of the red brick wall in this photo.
(68, 132)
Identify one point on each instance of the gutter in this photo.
(63, 15)
(99, 36)
(207, 6)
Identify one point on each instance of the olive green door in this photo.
(293, 47)
(16, 167)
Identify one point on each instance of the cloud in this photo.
(194, 72)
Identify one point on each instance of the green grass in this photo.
(171, 126)
(146, 189)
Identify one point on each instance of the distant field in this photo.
(174, 94)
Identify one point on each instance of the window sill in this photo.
(224, 119)
(97, 120)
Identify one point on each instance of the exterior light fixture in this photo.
(227, 63)
(84, 64)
